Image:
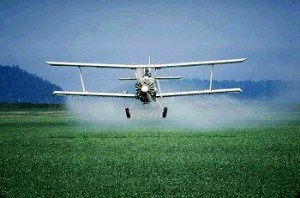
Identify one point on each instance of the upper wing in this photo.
(158, 66)
(202, 92)
(98, 94)
(198, 63)
(99, 65)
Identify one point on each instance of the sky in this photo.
(109, 31)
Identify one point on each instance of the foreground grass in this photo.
(52, 156)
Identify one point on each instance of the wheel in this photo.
(127, 113)
(164, 113)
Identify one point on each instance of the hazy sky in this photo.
(266, 32)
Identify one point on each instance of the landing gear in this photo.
(164, 113)
(164, 110)
(127, 113)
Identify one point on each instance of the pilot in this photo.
(147, 72)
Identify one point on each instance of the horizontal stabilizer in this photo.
(96, 94)
(126, 78)
(158, 78)
(202, 92)
(168, 78)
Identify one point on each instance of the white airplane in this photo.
(147, 85)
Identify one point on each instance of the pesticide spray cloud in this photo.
(214, 112)
(183, 113)
(97, 110)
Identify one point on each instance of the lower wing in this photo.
(97, 94)
(163, 95)
(202, 92)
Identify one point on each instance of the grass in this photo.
(51, 155)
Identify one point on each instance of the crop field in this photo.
(51, 154)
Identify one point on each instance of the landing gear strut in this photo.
(127, 113)
(164, 113)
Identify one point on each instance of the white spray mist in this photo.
(215, 111)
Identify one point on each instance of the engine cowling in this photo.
(146, 89)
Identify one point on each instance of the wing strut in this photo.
(157, 81)
(211, 76)
(81, 79)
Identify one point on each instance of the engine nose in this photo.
(145, 88)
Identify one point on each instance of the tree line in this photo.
(19, 86)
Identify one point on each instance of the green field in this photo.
(50, 154)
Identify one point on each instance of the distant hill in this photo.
(17, 85)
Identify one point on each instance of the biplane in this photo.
(147, 87)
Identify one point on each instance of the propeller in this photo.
(145, 88)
